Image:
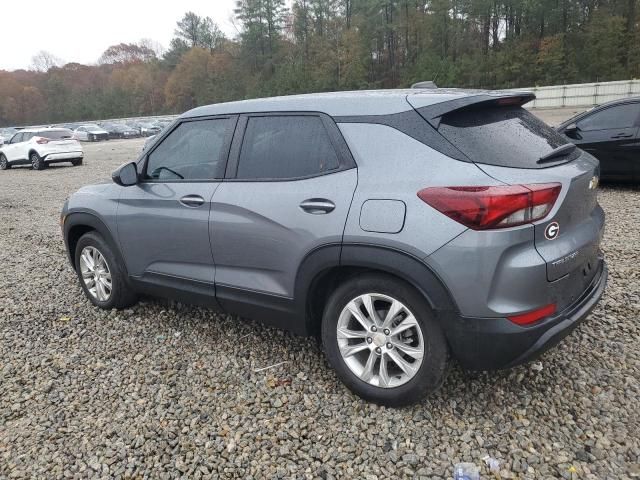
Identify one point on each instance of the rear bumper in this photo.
(63, 156)
(496, 343)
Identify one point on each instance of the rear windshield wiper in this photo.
(557, 152)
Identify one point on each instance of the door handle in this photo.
(317, 206)
(192, 201)
(623, 135)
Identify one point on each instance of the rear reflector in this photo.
(533, 316)
(483, 208)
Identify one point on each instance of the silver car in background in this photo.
(90, 133)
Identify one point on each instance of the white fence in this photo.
(582, 94)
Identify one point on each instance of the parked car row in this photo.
(115, 130)
(95, 132)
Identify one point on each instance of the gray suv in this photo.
(405, 227)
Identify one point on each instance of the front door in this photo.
(163, 221)
(14, 149)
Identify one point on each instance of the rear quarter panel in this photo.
(394, 166)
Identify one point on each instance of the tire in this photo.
(120, 294)
(424, 335)
(77, 162)
(37, 163)
(4, 164)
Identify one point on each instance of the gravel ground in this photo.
(163, 390)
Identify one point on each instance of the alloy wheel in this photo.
(380, 340)
(96, 274)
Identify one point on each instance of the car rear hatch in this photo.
(513, 146)
(59, 140)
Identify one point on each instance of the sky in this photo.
(79, 31)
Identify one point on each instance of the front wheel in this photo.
(383, 340)
(77, 162)
(4, 164)
(102, 276)
(37, 163)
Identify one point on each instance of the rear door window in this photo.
(286, 147)
(505, 136)
(619, 116)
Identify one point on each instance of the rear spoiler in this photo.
(434, 113)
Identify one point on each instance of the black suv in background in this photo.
(611, 133)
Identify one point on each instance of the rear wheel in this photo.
(381, 337)
(77, 162)
(4, 164)
(101, 274)
(37, 163)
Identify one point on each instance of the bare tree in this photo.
(43, 61)
(152, 45)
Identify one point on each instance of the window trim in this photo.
(340, 147)
(605, 108)
(225, 149)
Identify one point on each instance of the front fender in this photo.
(89, 221)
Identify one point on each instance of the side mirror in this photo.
(126, 175)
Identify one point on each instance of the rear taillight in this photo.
(483, 208)
(42, 140)
(533, 316)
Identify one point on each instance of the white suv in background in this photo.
(40, 147)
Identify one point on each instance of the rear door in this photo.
(288, 190)
(610, 135)
(163, 221)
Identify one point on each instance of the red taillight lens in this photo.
(42, 140)
(482, 208)
(531, 317)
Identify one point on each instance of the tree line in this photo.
(327, 45)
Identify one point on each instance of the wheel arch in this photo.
(77, 224)
(325, 268)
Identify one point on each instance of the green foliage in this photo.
(327, 45)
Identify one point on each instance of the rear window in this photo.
(56, 134)
(502, 136)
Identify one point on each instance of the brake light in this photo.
(484, 208)
(533, 316)
(42, 140)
